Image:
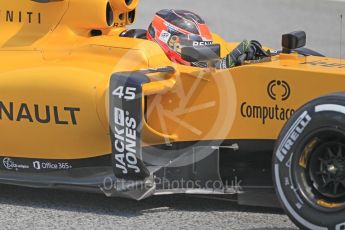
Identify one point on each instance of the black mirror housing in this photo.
(201, 53)
(293, 40)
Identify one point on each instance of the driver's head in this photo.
(174, 29)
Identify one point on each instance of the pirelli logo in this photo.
(293, 134)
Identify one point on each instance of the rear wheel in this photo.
(309, 165)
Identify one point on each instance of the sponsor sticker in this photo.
(125, 116)
(10, 164)
(46, 165)
(279, 92)
(293, 134)
(265, 113)
(274, 87)
(125, 141)
(325, 64)
(24, 17)
(20, 112)
(164, 36)
(36, 165)
(202, 43)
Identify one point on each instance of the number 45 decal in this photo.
(127, 93)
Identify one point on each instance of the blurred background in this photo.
(263, 20)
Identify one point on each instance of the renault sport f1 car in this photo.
(87, 106)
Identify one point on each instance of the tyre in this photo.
(309, 165)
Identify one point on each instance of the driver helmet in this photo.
(174, 29)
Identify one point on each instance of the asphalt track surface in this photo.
(26, 208)
(264, 20)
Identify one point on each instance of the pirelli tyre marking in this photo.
(289, 207)
(340, 226)
(330, 107)
(289, 140)
(292, 136)
(309, 165)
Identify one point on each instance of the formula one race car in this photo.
(87, 106)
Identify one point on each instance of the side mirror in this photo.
(293, 40)
(200, 53)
